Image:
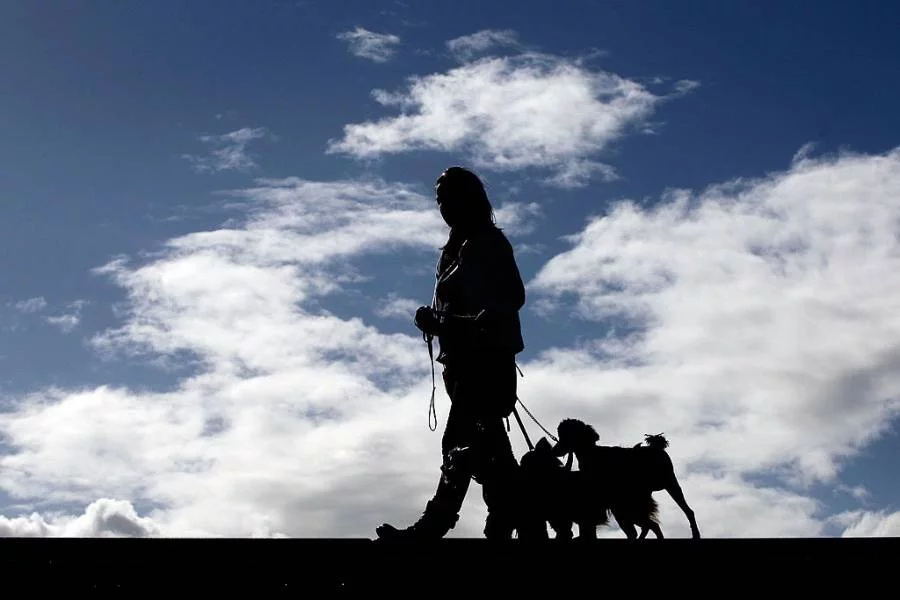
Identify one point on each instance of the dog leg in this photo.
(678, 496)
(626, 526)
(562, 528)
(587, 530)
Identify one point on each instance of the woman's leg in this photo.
(458, 447)
(498, 469)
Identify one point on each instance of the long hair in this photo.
(474, 203)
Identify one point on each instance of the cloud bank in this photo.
(288, 419)
(752, 322)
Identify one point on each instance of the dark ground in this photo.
(349, 567)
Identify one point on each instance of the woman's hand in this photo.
(427, 321)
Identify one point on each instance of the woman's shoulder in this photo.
(488, 239)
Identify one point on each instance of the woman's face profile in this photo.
(448, 204)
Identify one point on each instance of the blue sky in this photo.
(218, 222)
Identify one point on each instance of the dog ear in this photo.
(543, 445)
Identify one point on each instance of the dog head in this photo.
(574, 435)
(540, 458)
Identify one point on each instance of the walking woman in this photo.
(477, 276)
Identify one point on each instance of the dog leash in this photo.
(428, 338)
(519, 419)
(431, 410)
(519, 400)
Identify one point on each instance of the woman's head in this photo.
(462, 199)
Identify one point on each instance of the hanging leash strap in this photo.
(428, 340)
(522, 427)
(431, 409)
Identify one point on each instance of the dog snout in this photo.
(560, 449)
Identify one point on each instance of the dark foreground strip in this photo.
(471, 567)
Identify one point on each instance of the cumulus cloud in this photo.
(102, 518)
(377, 47)
(228, 152)
(518, 218)
(753, 321)
(869, 524)
(290, 420)
(526, 111)
(468, 46)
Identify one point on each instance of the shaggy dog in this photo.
(627, 476)
(554, 494)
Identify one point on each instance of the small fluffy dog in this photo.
(626, 476)
(554, 495)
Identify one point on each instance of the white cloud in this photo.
(858, 491)
(518, 218)
(65, 322)
(763, 329)
(869, 524)
(684, 86)
(578, 173)
(396, 307)
(526, 111)
(468, 46)
(32, 305)
(68, 321)
(378, 47)
(295, 421)
(102, 518)
(727, 506)
(228, 151)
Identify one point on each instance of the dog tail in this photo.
(657, 442)
(653, 510)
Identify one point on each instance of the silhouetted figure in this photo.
(628, 476)
(477, 276)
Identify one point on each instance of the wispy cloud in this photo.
(398, 308)
(509, 113)
(577, 173)
(227, 151)
(377, 47)
(468, 46)
(31, 305)
(858, 491)
(69, 320)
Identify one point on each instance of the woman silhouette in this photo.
(477, 275)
